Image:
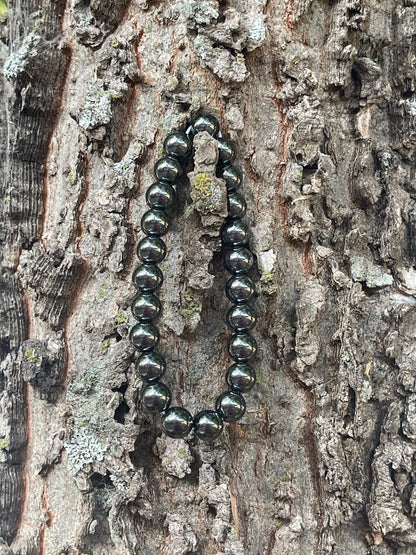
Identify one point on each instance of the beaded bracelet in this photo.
(177, 422)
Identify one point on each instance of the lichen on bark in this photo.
(320, 100)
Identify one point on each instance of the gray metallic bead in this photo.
(241, 376)
(168, 169)
(156, 397)
(239, 289)
(177, 422)
(146, 307)
(144, 336)
(242, 347)
(208, 425)
(151, 250)
(231, 406)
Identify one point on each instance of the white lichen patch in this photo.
(118, 478)
(202, 13)
(83, 449)
(411, 107)
(256, 33)
(267, 260)
(20, 59)
(97, 108)
(364, 270)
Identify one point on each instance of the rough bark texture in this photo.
(320, 98)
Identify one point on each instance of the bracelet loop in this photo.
(230, 406)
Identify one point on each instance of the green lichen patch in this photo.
(121, 317)
(4, 443)
(105, 346)
(202, 184)
(192, 304)
(3, 10)
(71, 177)
(182, 453)
(31, 355)
(102, 290)
(38, 23)
(268, 283)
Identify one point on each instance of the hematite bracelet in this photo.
(230, 406)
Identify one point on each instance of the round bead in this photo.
(177, 422)
(226, 151)
(160, 195)
(231, 406)
(241, 318)
(205, 122)
(239, 260)
(150, 366)
(151, 250)
(147, 277)
(144, 336)
(241, 376)
(178, 145)
(242, 347)
(231, 175)
(236, 205)
(168, 169)
(156, 397)
(146, 307)
(155, 222)
(208, 425)
(239, 289)
(235, 233)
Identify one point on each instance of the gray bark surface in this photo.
(320, 99)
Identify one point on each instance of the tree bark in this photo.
(320, 99)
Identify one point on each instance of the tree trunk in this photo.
(319, 96)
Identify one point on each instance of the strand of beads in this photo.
(230, 406)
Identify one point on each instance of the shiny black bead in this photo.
(177, 145)
(151, 250)
(241, 317)
(208, 425)
(231, 406)
(168, 169)
(160, 195)
(176, 422)
(147, 277)
(226, 151)
(205, 122)
(241, 376)
(155, 222)
(231, 175)
(156, 397)
(150, 366)
(239, 289)
(236, 205)
(235, 233)
(144, 336)
(146, 307)
(242, 347)
(239, 260)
